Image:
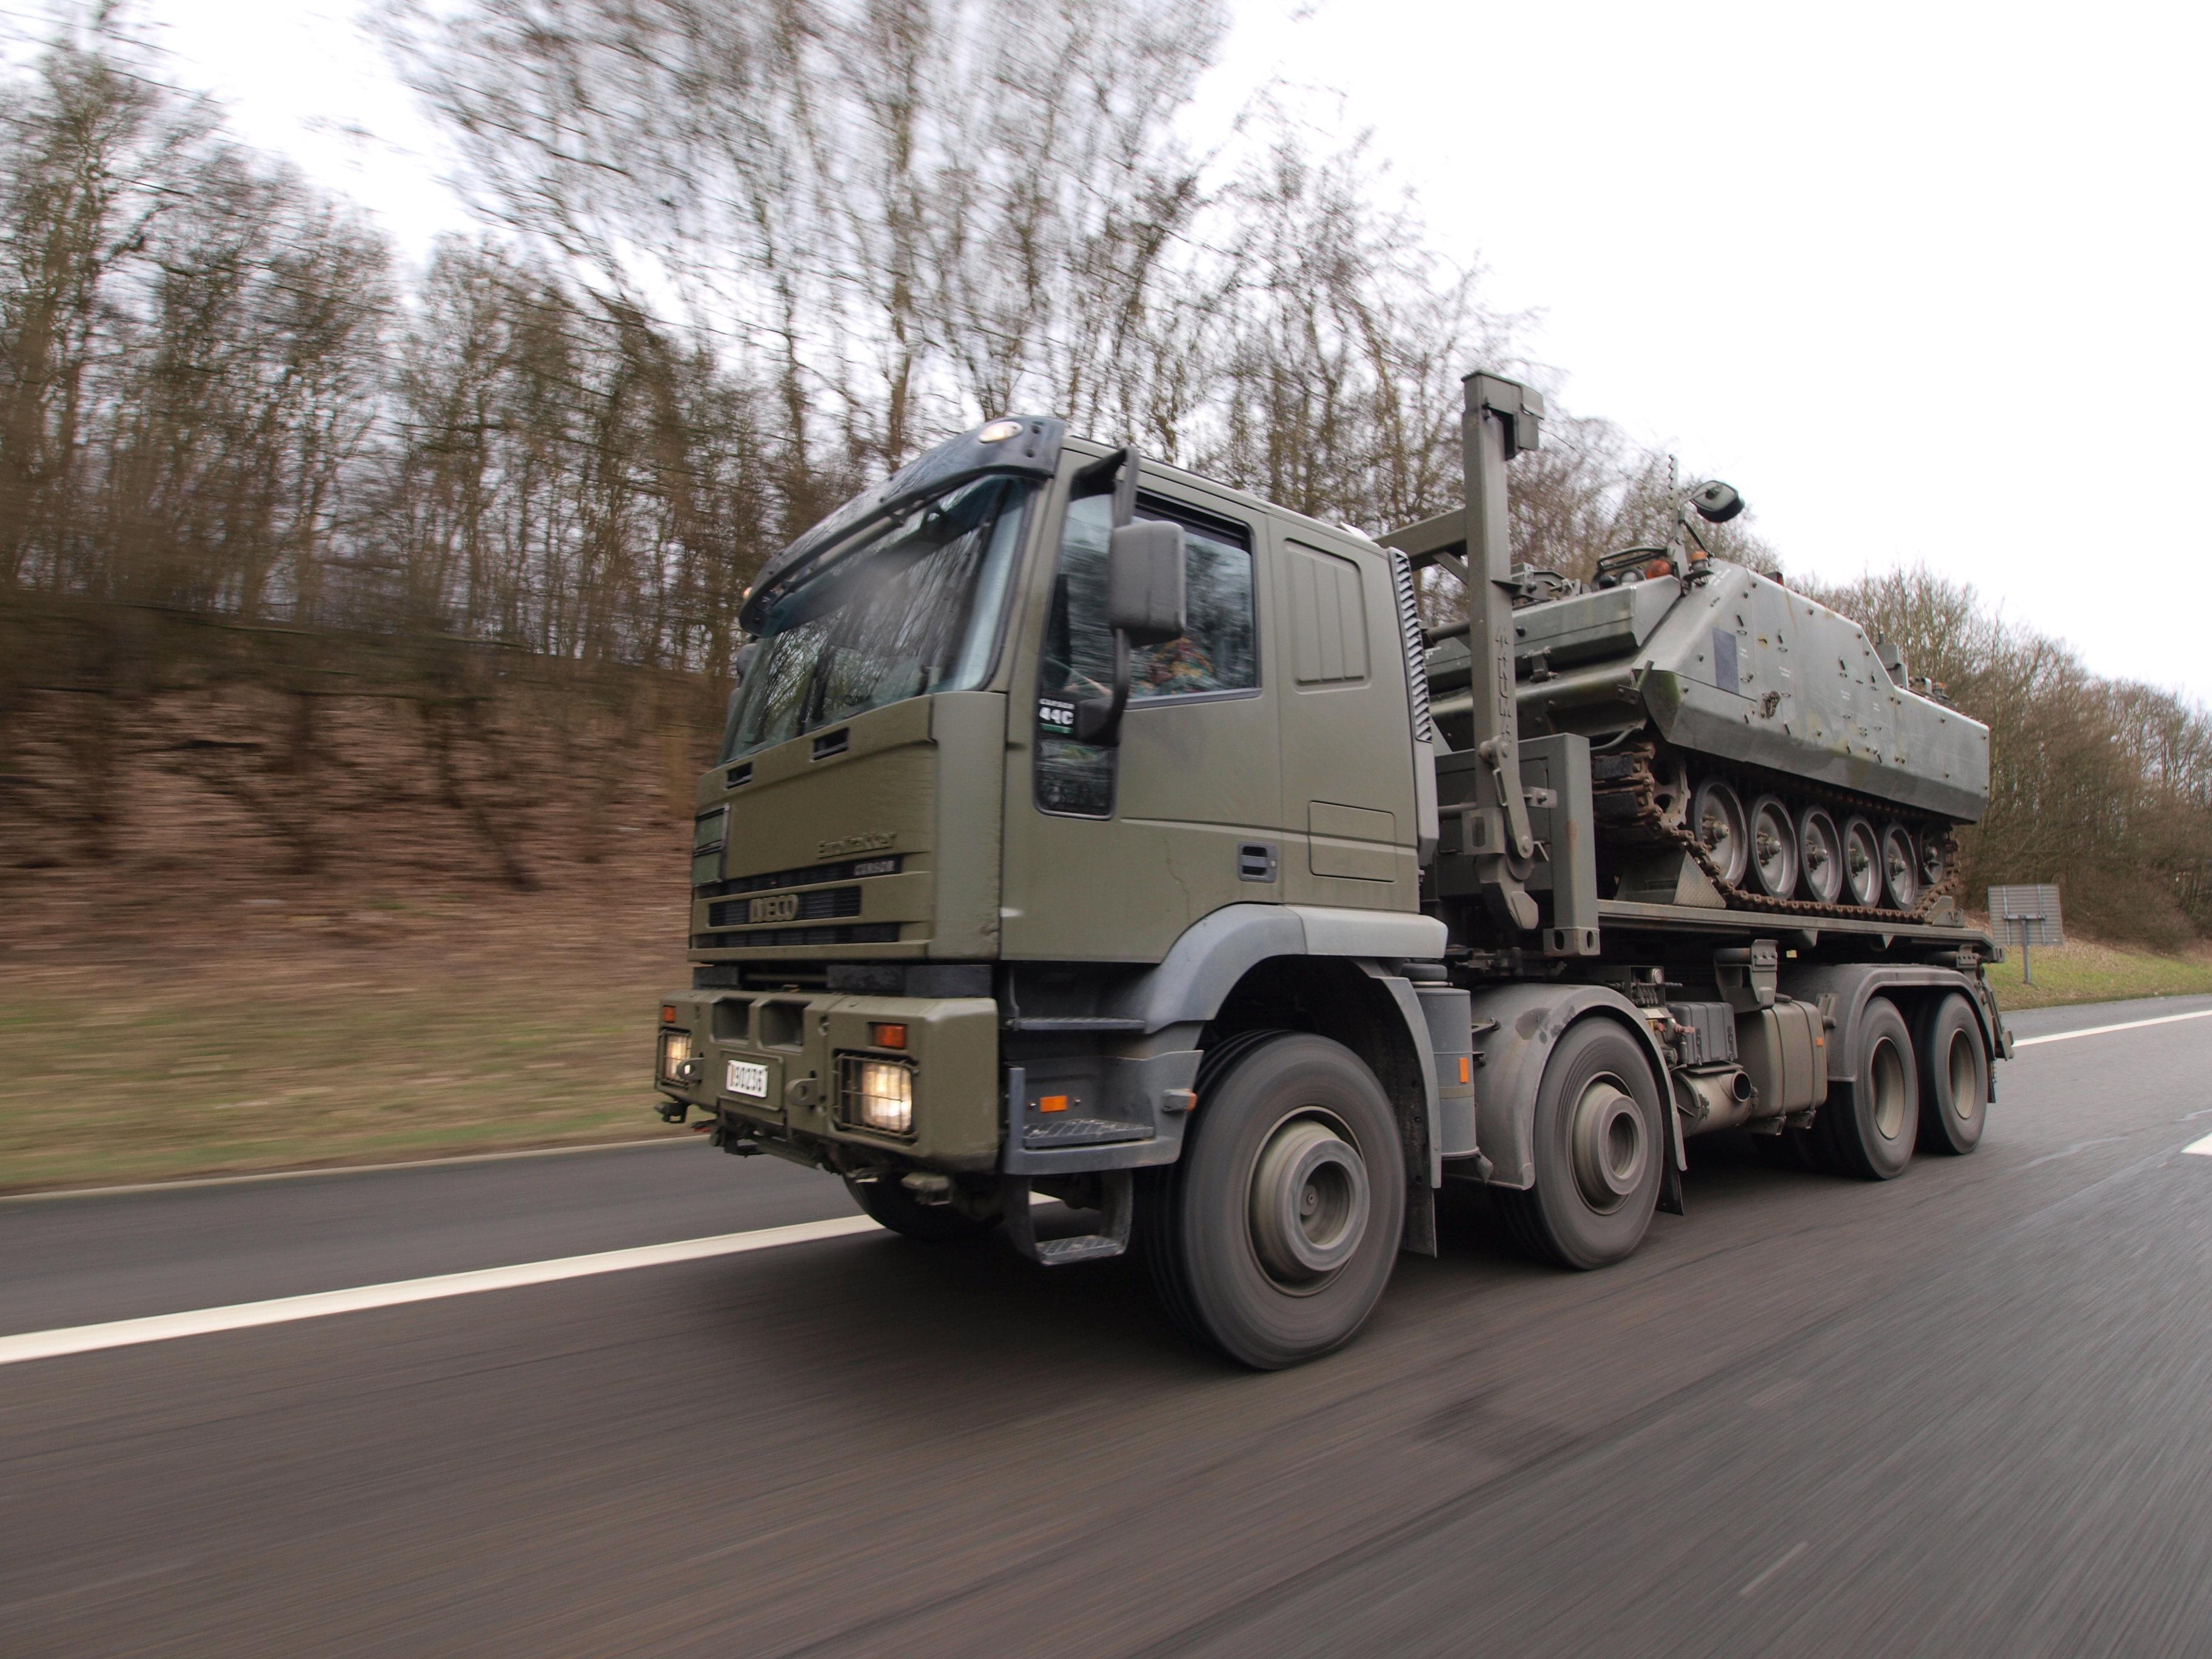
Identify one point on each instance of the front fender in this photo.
(1216, 951)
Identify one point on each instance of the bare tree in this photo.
(917, 214)
(92, 155)
(1341, 341)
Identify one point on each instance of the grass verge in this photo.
(2086, 972)
(151, 1088)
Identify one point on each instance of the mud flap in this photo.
(1419, 1237)
(1671, 1168)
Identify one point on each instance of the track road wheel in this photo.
(1900, 867)
(1773, 847)
(1820, 856)
(1868, 1126)
(1862, 865)
(1273, 1234)
(1599, 1140)
(1935, 864)
(1954, 1077)
(1717, 820)
(890, 1205)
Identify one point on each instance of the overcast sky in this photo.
(1925, 281)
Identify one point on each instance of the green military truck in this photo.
(1086, 829)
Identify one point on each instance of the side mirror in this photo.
(1716, 502)
(1145, 582)
(1145, 606)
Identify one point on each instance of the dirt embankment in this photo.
(368, 901)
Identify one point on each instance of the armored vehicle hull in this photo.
(1750, 747)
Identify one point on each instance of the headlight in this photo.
(878, 1094)
(675, 1049)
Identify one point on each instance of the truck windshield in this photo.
(915, 609)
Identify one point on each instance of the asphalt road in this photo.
(1962, 1412)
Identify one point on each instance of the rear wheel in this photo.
(1274, 1234)
(1954, 1077)
(1599, 1140)
(890, 1204)
(1869, 1124)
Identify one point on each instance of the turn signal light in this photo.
(668, 1013)
(887, 1037)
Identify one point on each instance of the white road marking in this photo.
(2202, 1148)
(2099, 1030)
(2078, 1146)
(425, 1163)
(1796, 1551)
(163, 1327)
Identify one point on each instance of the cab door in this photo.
(1111, 852)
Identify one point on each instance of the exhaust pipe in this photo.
(1720, 1097)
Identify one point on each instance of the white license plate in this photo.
(747, 1079)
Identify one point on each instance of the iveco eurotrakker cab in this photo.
(1085, 828)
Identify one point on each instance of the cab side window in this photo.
(1220, 655)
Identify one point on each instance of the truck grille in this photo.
(888, 864)
(818, 906)
(856, 932)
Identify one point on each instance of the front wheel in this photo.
(1274, 1234)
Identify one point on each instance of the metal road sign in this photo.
(2028, 914)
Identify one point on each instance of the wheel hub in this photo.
(1885, 1078)
(1609, 1143)
(1309, 1201)
(1966, 1095)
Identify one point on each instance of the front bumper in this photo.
(794, 1045)
(778, 1067)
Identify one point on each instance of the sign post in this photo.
(2034, 911)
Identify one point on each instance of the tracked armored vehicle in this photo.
(1749, 747)
(1085, 828)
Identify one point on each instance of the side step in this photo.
(1118, 1188)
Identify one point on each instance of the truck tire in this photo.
(890, 1204)
(1954, 1077)
(1272, 1236)
(1599, 1140)
(1868, 1126)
